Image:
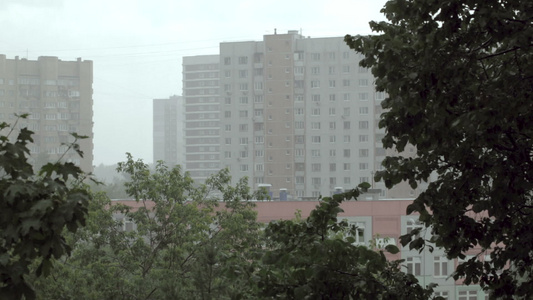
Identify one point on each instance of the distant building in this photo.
(294, 112)
(169, 143)
(57, 95)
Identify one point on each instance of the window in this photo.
(347, 180)
(298, 70)
(315, 56)
(359, 232)
(363, 110)
(345, 55)
(227, 127)
(243, 73)
(258, 99)
(332, 111)
(315, 70)
(227, 114)
(440, 266)
(346, 152)
(346, 69)
(315, 97)
(346, 96)
(315, 84)
(467, 295)
(227, 61)
(316, 180)
(227, 100)
(363, 166)
(228, 141)
(315, 139)
(332, 83)
(259, 139)
(299, 152)
(346, 167)
(363, 124)
(413, 224)
(243, 154)
(299, 124)
(363, 82)
(332, 125)
(332, 97)
(316, 167)
(332, 138)
(315, 112)
(300, 180)
(346, 138)
(315, 153)
(243, 141)
(363, 96)
(243, 60)
(346, 125)
(258, 112)
(298, 111)
(363, 138)
(227, 154)
(243, 113)
(414, 264)
(363, 70)
(315, 125)
(332, 167)
(259, 153)
(259, 167)
(243, 100)
(299, 139)
(243, 86)
(333, 181)
(380, 95)
(346, 82)
(243, 127)
(346, 112)
(243, 168)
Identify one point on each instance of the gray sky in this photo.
(137, 47)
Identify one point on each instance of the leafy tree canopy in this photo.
(459, 79)
(34, 211)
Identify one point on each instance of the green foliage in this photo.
(459, 78)
(34, 212)
(313, 259)
(183, 245)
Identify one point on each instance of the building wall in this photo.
(202, 115)
(297, 113)
(168, 130)
(57, 95)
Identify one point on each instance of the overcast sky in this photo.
(137, 47)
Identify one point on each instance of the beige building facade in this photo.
(57, 95)
(290, 112)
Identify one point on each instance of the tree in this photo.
(459, 79)
(181, 245)
(34, 211)
(316, 259)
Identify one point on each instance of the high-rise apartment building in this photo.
(169, 143)
(57, 95)
(292, 112)
(202, 115)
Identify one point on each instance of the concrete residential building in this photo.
(292, 112)
(202, 115)
(168, 131)
(57, 95)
